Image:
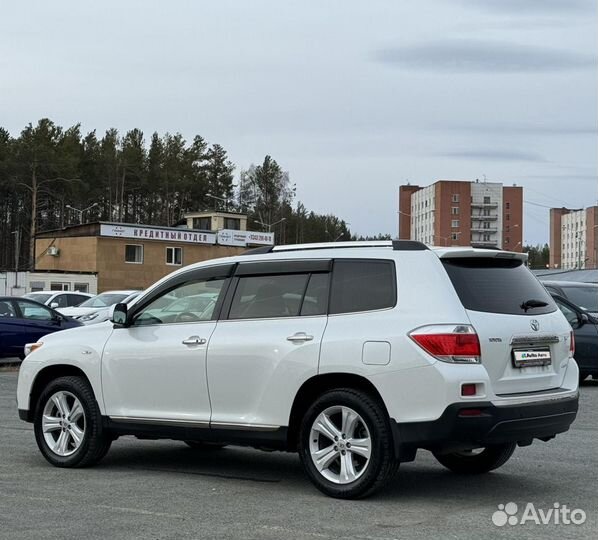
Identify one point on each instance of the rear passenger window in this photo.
(362, 286)
(268, 296)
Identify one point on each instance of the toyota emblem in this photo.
(535, 325)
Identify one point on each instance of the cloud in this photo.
(532, 7)
(495, 155)
(470, 56)
(522, 129)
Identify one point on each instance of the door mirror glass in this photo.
(119, 314)
(54, 305)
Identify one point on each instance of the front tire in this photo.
(482, 461)
(346, 445)
(68, 424)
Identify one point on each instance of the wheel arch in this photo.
(47, 374)
(316, 386)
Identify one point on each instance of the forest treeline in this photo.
(52, 177)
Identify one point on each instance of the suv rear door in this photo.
(267, 342)
(493, 288)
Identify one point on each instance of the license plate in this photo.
(531, 357)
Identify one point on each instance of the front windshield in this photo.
(583, 297)
(103, 300)
(41, 298)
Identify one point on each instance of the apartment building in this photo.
(574, 238)
(461, 213)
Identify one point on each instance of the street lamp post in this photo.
(216, 198)
(270, 225)
(81, 212)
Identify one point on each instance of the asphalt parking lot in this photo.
(162, 489)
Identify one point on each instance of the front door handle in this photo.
(300, 336)
(194, 340)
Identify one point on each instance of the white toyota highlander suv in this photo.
(354, 354)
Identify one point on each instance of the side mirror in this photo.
(583, 319)
(54, 305)
(119, 314)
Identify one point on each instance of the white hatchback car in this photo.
(355, 355)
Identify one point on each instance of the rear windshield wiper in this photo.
(528, 304)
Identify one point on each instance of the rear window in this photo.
(362, 285)
(497, 285)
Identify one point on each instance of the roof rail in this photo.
(408, 245)
(333, 245)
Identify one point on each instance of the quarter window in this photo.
(134, 254)
(362, 286)
(268, 296)
(174, 256)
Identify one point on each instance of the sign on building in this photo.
(142, 232)
(231, 237)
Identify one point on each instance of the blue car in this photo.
(24, 321)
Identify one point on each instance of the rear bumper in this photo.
(477, 424)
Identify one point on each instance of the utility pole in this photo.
(17, 234)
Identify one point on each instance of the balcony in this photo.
(481, 217)
(477, 228)
(484, 205)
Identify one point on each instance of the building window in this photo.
(486, 238)
(454, 236)
(508, 205)
(455, 210)
(81, 287)
(486, 200)
(203, 223)
(486, 224)
(507, 228)
(232, 223)
(507, 240)
(486, 211)
(508, 217)
(174, 256)
(58, 286)
(134, 253)
(455, 223)
(455, 197)
(41, 285)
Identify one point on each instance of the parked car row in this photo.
(28, 318)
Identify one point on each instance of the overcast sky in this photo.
(352, 98)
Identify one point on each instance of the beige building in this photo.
(574, 238)
(129, 256)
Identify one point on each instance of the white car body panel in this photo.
(148, 372)
(254, 372)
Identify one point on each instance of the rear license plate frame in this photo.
(538, 357)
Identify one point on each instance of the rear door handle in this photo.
(194, 340)
(300, 336)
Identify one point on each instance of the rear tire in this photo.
(68, 424)
(361, 459)
(490, 458)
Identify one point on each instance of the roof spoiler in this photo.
(408, 245)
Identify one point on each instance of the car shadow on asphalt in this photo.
(420, 479)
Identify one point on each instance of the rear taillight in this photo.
(572, 345)
(458, 344)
